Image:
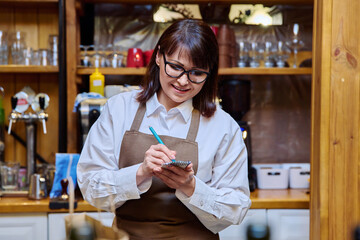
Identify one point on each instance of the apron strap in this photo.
(138, 117)
(194, 125)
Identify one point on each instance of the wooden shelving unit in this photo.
(28, 69)
(37, 19)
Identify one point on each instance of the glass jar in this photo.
(4, 52)
(17, 47)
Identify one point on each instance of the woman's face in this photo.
(175, 91)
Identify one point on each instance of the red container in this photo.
(135, 58)
(215, 29)
(147, 56)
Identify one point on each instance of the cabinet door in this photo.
(287, 224)
(57, 223)
(236, 232)
(23, 226)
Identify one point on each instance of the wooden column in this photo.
(71, 60)
(335, 163)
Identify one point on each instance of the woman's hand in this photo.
(154, 157)
(178, 178)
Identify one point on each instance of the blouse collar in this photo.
(185, 109)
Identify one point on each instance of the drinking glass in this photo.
(281, 55)
(44, 57)
(255, 54)
(294, 42)
(36, 58)
(53, 49)
(99, 58)
(4, 52)
(85, 56)
(17, 46)
(28, 56)
(269, 54)
(115, 58)
(9, 175)
(243, 54)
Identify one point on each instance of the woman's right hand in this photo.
(154, 157)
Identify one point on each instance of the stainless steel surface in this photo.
(30, 120)
(37, 188)
(30, 149)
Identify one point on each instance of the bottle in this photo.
(97, 82)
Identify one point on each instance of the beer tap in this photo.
(39, 104)
(14, 115)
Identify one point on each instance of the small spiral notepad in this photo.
(181, 164)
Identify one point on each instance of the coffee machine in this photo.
(235, 99)
(88, 112)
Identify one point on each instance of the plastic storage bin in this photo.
(299, 178)
(273, 178)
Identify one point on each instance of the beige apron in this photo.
(158, 214)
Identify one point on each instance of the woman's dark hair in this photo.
(198, 40)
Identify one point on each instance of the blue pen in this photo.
(158, 138)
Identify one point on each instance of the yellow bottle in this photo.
(97, 82)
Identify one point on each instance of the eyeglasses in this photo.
(175, 71)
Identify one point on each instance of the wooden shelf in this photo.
(265, 71)
(112, 71)
(267, 2)
(261, 199)
(28, 69)
(222, 71)
(280, 199)
(29, 3)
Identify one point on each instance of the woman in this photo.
(121, 161)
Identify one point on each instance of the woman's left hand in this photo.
(178, 178)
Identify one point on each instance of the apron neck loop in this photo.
(194, 126)
(138, 117)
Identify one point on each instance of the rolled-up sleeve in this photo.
(224, 200)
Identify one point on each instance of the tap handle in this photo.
(42, 103)
(13, 102)
(44, 126)
(10, 125)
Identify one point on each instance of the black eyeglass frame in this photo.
(184, 71)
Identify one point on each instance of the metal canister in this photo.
(37, 188)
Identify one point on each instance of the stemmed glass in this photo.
(114, 59)
(281, 55)
(269, 54)
(294, 42)
(255, 54)
(99, 58)
(85, 56)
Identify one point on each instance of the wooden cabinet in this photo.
(38, 19)
(291, 224)
(283, 224)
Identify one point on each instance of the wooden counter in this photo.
(261, 199)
